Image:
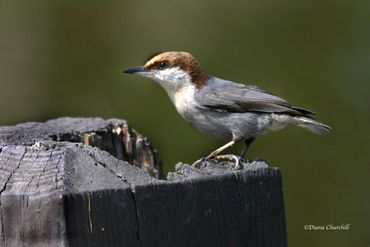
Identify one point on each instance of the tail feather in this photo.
(314, 126)
(305, 112)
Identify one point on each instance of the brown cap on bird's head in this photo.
(178, 59)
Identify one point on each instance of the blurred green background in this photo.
(64, 58)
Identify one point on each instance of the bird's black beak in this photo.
(135, 70)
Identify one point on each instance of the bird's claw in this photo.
(230, 157)
(199, 162)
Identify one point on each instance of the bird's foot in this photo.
(231, 157)
(199, 162)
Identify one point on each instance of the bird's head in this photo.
(172, 70)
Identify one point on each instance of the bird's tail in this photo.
(313, 126)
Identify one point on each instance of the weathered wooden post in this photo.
(56, 189)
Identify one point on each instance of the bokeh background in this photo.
(64, 58)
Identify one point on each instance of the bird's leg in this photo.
(247, 142)
(214, 155)
(235, 158)
(220, 149)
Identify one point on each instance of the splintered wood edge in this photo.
(114, 136)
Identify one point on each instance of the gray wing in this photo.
(222, 95)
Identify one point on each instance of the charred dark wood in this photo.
(55, 191)
(114, 136)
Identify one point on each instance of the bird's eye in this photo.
(162, 65)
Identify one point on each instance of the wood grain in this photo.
(57, 191)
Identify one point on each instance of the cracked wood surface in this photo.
(114, 136)
(55, 191)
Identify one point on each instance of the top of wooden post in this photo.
(94, 182)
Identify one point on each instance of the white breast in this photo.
(184, 100)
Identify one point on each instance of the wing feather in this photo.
(222, 95)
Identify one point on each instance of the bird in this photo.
(221, 108)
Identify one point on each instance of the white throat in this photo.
(172, 79)
(178, 86)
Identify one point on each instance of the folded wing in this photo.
(227, 96)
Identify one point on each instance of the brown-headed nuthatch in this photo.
(221, 108)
